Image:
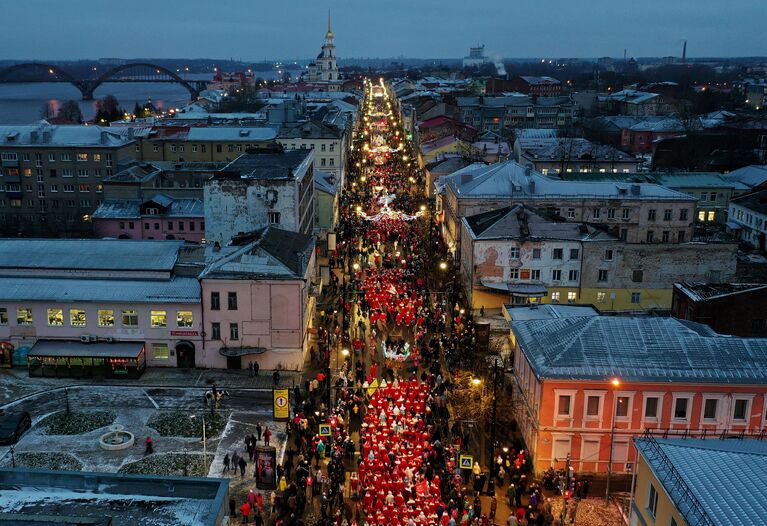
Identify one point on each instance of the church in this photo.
(324, 69)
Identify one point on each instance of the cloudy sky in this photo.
(267, 29)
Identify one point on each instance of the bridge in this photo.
(132, 72)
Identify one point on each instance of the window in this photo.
(625, 213)
(66, 156)
(332, 161)
(666, 236)
(77, 317)
(170, 225)
(106, 318)
(683, 214)
(740, 410)
(202, 148)
(596, 212)
(651, 214)
(713, 196)
(536, 253)
(572, 275)
(574, 253)
(611, 213)
(24, 316)
(564, 405)
(82, 156)
(650, 236)
(322, 162)
(191, 226)
(624, 234)
(555, 297)
(68, 187)
(155, 148)
(109, 160)
(711, 215)
(181, 226)
(557, 253)
(571, 213)
(535, 274)
(622, 407)
(215, 301)
(99, 188)
(3, 316)
(652, 501)
(601, 297)
(184, 318)
(702, 215)
(651, 407)
(160, 351)
(636, 276)
(159, 318)
(130, 318)
(274, 218)
(232, 300)
(85, 188)
(194, 148)
(592, 405)
(681, 236)
(602, 275)
(67, 172)
(636, 297)
(667, 214)
(234, 332)
(513, 273)
(710, 407)
(55, 317)
(571, 297)
(514, 252)
(215, 331)
(680, 408)
(556, 275)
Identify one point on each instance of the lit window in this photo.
(571, 297)
(160, 351)
(555, 297)
(601, 297)
(24, 316)
(130, 318)
(82, 156)
(184, 318)
(106, 318)
(711, 215)
(55, 317)
(702, 215)
(159, 319)
(77, 317)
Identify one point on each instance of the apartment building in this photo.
(51, 176)
(494, 113)
(587, 385)
(199, 144)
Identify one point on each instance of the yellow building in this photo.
(201, 144)
(680, 482)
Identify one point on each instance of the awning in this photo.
(732, 225)
(241, 351)
(73, 349)
(517, 289)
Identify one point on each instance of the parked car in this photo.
(13, 425)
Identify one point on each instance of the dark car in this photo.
(12, 426)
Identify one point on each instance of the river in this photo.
(24, 103)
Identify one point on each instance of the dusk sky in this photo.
(257, 29)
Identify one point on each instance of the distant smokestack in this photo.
(684, 52)
(624, 53)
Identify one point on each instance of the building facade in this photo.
(159, 217)
(728, 308)
(52, 176)
(182, 144)
(747, 219)
(613, 378)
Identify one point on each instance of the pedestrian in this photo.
(267, 436)
(258, 431)
(511, 494)
(226, 464)
(252, 499)
(148, 446)
(256, 367)
(276, 377)
(245, 510)
(250, 369)
(235, 461)
(243, 464)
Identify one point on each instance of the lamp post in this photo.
(615, 382)
(204, 446)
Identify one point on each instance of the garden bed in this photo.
(181, 424)
(168, 464)
(76, 422)
(55, 461)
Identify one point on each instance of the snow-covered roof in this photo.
(131, 208)
(551, 148)
(722, 480)
(752, 176)
(47, 135)
(230, 134)
(548, 312)
(630, 96)
(641, 349)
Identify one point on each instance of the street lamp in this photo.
(615, 383)
(442, 265)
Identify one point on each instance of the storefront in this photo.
(71, 359)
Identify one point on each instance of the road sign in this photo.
(281, 409)
(324, 430)
(467, 461)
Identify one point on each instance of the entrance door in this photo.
(184, 355)
(234, 362)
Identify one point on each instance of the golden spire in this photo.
(329, 34)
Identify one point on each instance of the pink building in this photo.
(256, 301)
(585, 385)
(160, 217)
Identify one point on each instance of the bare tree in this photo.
(70, 112)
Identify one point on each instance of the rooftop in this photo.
(87, 254)
(712, 291)
(752, 176)
(548, 149)
(641, 349)
(540, 80)
(548, 312)
(277, 165)
(512, 180)
(325, 182)
(755, 201)
(724, 477)
(47, 135)
(131, 208)
(518, 221)
(216, 133)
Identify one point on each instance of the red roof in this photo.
(439, 121)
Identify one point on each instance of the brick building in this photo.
(728, 308)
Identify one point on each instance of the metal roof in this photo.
(277, 165)
(86, 350)
(697, 291)
(88, 254)
(47, 135)
(548, 312)
(753, 175)
(131, 208)
(215, 133)
(66, 290)
(725, 477)
(648, 349)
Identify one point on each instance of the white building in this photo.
(747, 218)
(324, 68)
(476, 57)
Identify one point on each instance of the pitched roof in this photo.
(272, 165)
(131, 208)
(548, 149)
(646, 349)
(754, 175)
(722, 478)
(755, 201)
(46, 135)
(176, 290)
